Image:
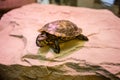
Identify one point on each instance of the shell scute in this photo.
(62, 28)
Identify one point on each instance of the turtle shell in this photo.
(62, 28)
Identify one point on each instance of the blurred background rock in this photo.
(7, 5)
(112, 5)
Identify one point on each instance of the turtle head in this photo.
(41, 39)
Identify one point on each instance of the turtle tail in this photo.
(82, 37)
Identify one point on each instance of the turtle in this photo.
(58, 31)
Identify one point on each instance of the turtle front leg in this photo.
(82, 37)
(55, 46)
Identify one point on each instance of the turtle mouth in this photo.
(40, 40)
(40, 43)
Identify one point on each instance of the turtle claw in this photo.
(56, 51)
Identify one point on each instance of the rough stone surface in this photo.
(19, 29)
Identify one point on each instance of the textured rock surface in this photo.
(18, 31)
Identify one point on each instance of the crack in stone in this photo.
(92, 34)
(117, 73)
(20, 36)
(24, 39)
(111, 29)
(39, 57)
(108, 63)
(103, 47)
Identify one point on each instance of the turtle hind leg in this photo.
(82, 37)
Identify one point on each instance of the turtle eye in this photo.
(41, 37)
